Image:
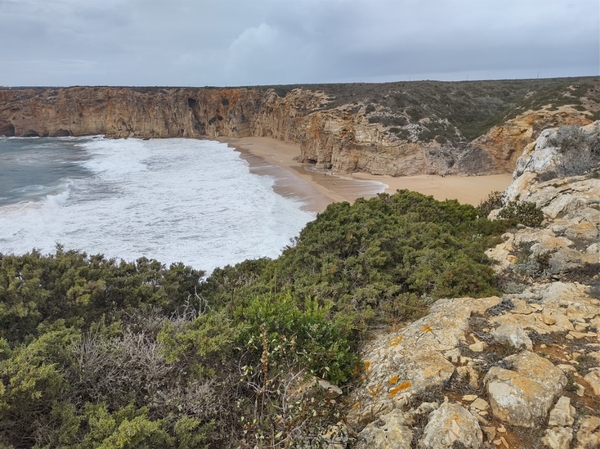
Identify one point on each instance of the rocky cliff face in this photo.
(521, 370)
(396, 129)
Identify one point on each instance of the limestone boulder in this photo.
(523, 395)
(514, 335)
(593, 378)
(451, 424)
(563, 413)
(588, 434)
(390, 431)
(558, 438)
(401, 365)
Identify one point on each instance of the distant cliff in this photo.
(393, 128)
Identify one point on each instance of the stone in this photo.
(582, 231)
(558, 437)
(390, 431)
(415, 357)
(478, 346)
(524, 396)
(449, 424)
(469, 397)
(593, 378)
(578, 335)
(588, 434)
(480, 404)
(562, 414)
(568, 369)
(514, 335)
(548, 319)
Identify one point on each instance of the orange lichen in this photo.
(393, 380)
(367, 367)
(358, 404)
(402, 386)
(395, 341)
(426, 329)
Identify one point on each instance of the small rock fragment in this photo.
(558, 437)
(588, 435)
(593, 378)
(562, 413)
(480, 404)
(514, 335)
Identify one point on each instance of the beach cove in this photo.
(317, 189)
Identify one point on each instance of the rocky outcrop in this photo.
(522, 369)
(392, 129)
(504, 143)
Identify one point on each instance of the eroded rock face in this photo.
(342, 138)
(524, 396)
(504, 143)
(390, 431)
(588, 435)
(415, 359)
(449, 424)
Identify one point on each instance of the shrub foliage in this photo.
(96, 352)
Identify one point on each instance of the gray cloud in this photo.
(242, 42)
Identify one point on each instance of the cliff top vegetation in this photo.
(102, 353)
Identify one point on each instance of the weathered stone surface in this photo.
(402, 364)
(390, 431)
(514, 335)
(593, 378)
(449, 424)
(562, 414)
(588, 435)
(524, 396)
(558, 438)
(519, 132)
(480, 404)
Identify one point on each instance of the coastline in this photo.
(318, 189)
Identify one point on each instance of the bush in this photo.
(95, 352)
(492, 202)
(523, 212)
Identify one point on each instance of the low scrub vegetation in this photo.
(102, 353)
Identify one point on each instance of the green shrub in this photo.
(492, 202)
(522, 212)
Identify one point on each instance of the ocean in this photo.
(173, 200)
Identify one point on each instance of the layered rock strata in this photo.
(388, 135)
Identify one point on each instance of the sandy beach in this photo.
(317, 189)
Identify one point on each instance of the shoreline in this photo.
(316, 189)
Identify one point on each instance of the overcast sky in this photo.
(252, 42)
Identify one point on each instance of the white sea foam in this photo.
(173, 200)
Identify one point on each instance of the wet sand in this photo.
(317, 189)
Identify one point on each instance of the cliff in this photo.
(394, 128)
(519, 370)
